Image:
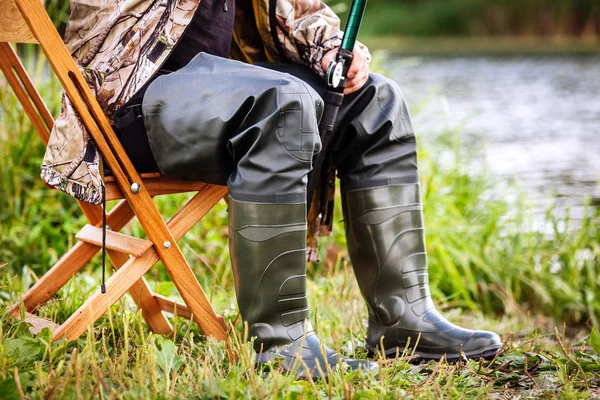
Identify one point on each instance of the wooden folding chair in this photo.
(26, 21)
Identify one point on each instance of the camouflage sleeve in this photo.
(306, 30)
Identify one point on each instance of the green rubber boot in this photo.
(386, 242)
(267, 245)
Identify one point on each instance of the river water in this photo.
(537, 116)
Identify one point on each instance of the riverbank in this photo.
(503, 45)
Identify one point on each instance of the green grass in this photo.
(488, 270)
(120, 359)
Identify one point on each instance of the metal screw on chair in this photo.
(135, 187)
(167, 244)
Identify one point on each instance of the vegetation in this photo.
(488, 269)
(480, 17)
(423, 18)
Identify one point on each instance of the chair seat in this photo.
(155, 184)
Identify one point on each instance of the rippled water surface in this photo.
(538, 115)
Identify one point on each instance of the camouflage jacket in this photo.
(120, 44)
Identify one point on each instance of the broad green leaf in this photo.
(8, 390)
(24, 350)
(166, 355)
(595, 340)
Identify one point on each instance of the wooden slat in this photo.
(173, 307)
(114, 240)
(144, 298)
(125, 174)
(116, 286)
(69, 264)
(143, 175)
(26, 93)
(180, 310)
(35, 96)
(155, 187)
(12, 26)
(195, 209)
(56, 277)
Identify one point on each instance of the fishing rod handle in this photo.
(333, 101)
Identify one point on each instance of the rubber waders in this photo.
(267, 244)
(386, 242)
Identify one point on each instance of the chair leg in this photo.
(140, 291)
(72, 261)
(182, 274)
(55, 278)
(25, 91)
(195, 209)
(177, 267)
(118, 284)
(142, 295)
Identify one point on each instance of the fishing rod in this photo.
(336, 76)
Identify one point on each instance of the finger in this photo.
(357, 79)
(356, 87)
(363, 75)
(328, 58)
(358, 64)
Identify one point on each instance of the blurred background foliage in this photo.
(422, 18)
(479, 17)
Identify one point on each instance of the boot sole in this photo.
(486, 353)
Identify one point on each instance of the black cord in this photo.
(103, 286)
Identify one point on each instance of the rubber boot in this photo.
(268, 253)
(386, 242)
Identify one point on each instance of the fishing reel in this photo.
(337, 72)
